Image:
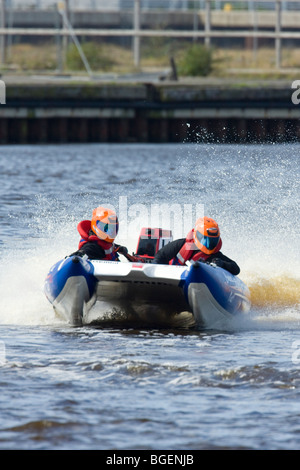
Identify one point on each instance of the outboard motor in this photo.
(150, 241)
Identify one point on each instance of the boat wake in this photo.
(275, 302)
(281, 291)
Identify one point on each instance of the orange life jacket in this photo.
(189, 251)
(84, 228)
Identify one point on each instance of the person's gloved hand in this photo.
(76, 253)
(123, 250)
(218, 262)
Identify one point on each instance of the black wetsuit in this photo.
(169, 251)
(94, 251)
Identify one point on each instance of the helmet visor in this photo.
(209, 242)
(111, 229)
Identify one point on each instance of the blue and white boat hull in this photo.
(71, 287)
(74, 285)
(214, 295)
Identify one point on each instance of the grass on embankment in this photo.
(155, 54)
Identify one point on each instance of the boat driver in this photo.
(98, 235)
(202, 243)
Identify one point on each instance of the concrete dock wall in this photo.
(138, 112)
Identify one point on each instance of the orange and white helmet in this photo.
(206, 235)
(105, 224)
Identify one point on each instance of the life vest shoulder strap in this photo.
(189, 251)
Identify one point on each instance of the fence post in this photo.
(65, 39)
(2, 38)
(207, 22)
(278, 31)
(136, 26)
(58, 40)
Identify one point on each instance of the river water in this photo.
(155, 387)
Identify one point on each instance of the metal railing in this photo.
(100, 5)
(207, 33)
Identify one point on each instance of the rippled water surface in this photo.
(155, 386)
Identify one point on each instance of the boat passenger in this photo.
(202, 243)
(98, 235)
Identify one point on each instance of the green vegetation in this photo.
(197, 61)
(97, 56)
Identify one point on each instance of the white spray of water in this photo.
(25, 264)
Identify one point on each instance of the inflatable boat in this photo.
(76, 285)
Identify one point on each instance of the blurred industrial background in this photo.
(243, 34)
(140, 70)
